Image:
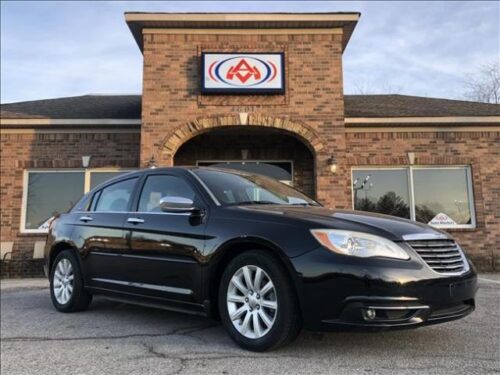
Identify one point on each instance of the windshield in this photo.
(236, 188)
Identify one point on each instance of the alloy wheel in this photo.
(63, 283)
(252, 302)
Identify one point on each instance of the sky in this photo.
(53, 49)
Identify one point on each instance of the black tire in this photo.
(287, 323)
(80, 298)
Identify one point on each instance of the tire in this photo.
(65, 275)
(278, 319)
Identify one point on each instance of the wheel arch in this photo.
(59, 247)
(230, 250)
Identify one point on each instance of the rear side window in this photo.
(116, 197)
(160, 186)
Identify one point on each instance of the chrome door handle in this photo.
(86, 218)
(135, 220)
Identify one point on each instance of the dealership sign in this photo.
(243, 73)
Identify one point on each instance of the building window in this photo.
(438, 196)
(48, 192)
(98, 177)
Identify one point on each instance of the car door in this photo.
(166, 247)
(103, 239)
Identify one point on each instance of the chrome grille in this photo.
(443, 256)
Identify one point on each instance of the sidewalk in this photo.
(19, 284)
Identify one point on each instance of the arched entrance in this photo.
(269, 151)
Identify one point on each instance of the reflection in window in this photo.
(382, 191)
(160, 186)
(279, 170)
(97, 178)
(442, 196)
(50, 193)
(116, 197)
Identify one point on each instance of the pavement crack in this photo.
(183, 331)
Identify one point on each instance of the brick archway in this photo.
(172, 142)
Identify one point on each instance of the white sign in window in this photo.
(438, 196)
(243, 73)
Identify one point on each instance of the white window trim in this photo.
(86, 188)
(411, 192)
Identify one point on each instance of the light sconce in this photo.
(332, 163)
(244, 154)
(152, 163)
(86, 161)
(411, 158)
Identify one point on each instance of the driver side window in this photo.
(160, 186)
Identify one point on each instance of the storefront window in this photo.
(382, 191)
(442, 196)
(48, 192)
(438, 196)
(97, 178)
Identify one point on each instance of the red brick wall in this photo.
(261, 145)
(480, 150)
(26, 151)
(174, 111)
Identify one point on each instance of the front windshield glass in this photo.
(236, 188)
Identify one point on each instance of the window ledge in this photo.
(29, 234)
(461, 229)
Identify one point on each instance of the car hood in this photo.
(390, 227)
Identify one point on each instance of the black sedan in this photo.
(255, 253)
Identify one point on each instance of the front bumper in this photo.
(344, 293)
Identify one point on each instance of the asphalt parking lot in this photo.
(116, 338)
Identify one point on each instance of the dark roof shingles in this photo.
(414, 106)
(77, 107)
(129, 107)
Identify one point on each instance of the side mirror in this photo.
(176, 205)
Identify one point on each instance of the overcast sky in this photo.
(53, 49)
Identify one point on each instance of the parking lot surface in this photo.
(116, 338)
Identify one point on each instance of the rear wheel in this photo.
(66, 284)
(257, 304)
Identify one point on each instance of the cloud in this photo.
(52, 49)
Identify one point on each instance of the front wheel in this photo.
(257, 304)
(66, 284)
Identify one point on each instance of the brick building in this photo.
(432, 160)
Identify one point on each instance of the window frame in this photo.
(411, 189)
(86, 188)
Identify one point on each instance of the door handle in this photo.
(135, 220)
(86, 218)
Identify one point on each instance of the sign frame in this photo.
(242, 90)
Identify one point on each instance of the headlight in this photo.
(358, 244)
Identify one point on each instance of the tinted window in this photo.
(116, 197)
(49, 193)
(382, 191)
(159, 186)
(442, 196)
(281, 171)
(235, 188)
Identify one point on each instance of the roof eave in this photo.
(137, 21)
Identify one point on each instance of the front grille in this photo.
(443, 256)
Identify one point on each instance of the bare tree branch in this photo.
(484, 85)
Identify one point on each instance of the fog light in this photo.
(370, 314)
